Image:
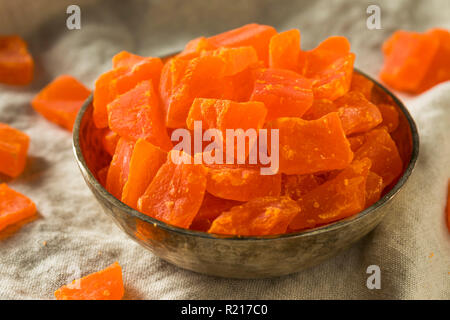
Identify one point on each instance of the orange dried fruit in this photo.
(60, 100)
(258, 217)
(312, 146)
(357, 114)
(102, 174)
(336, 199)
(109, 141)
(390, 116)
(16, 63)
(283, 92)
(145, 161)
(235, 59)
(374, 187)
(241, 184)
(255, 35)
(295, 186)
(382, 151)
(119, 167)
(137, 114)
(356, 141)
(284, 50)
(320, 108)
(171, 75)
(128, 59)
(106, 284)
(362, 84)
(176, 192)
(14, 207)
(195, 47)
(13, 150)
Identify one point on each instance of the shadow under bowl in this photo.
(243, 257)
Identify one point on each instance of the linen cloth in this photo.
(72, 237)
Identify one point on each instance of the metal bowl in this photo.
(246, 257)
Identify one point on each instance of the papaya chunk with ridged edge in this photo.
(127, 59)
(320, 108)
(14, 207)
(137, 114)
(257, 217)
(235, 59)
(336, 199)
(13, 150)
(241, 184)
(312, 146)
(171, 75)
(106, 284)
(284, 49)
(390, 116)
(119, 167)
(202, 77)
(176, 192)
(374, 187)
(195, 47)
(362, 84)
(211, 208)
(382, 151)
(357, 114)
(255, 35)
(61, 100)
(16, 63)
(120, 80)
(145, 161)
(294, 186)
(284, 93)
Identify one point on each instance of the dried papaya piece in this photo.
(357, 114)
(284, 93)
(235, 59)
(120, 80)
(171, 75)
(106, 284)
(211, 208)
(13, 150)
(60, 100)
(295, 186)
(145, 161)
(16, 63)
(382, 151)
(241, 184)
(336, 199)
(137, 114)
(176, 192)
(128, 59)
(14, 206)
(407, 58)
(320, 108)
(258, 217)
(362, 84)
(102, 174)
(109, 141)
(195, 47)
(390, 116)
(119, 167)
(255, 35)
(374, 187)
(312, 146)
(284, 49)
(239, 87)
(356, 141)
(199, 72)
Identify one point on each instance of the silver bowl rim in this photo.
(299, 234)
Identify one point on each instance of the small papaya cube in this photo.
(211, 208)
(201, 79)
(320, 108)
(258, 217)
(239, 87)
(407, 58)
(16, 63)
(60, 100)
(284, 49)
(119, 167)
(390, 116)
(284, 93)
(235, 59)
(362, 84)
(171, 75)
(336, 199)
(439, 69)
(294, 186)
(120, 80)
(241, 184)
(374, 187)
(14, 207)
(382, 151)
(137, 114)
(145, 161)
(13, 150)
(195, 47)
(357, 114)
(356, 141)
(255, 35)
(176, 192)
(109, 141)
(106, 284)
(127, 59)
(312, 146)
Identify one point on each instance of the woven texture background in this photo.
(72, 237)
